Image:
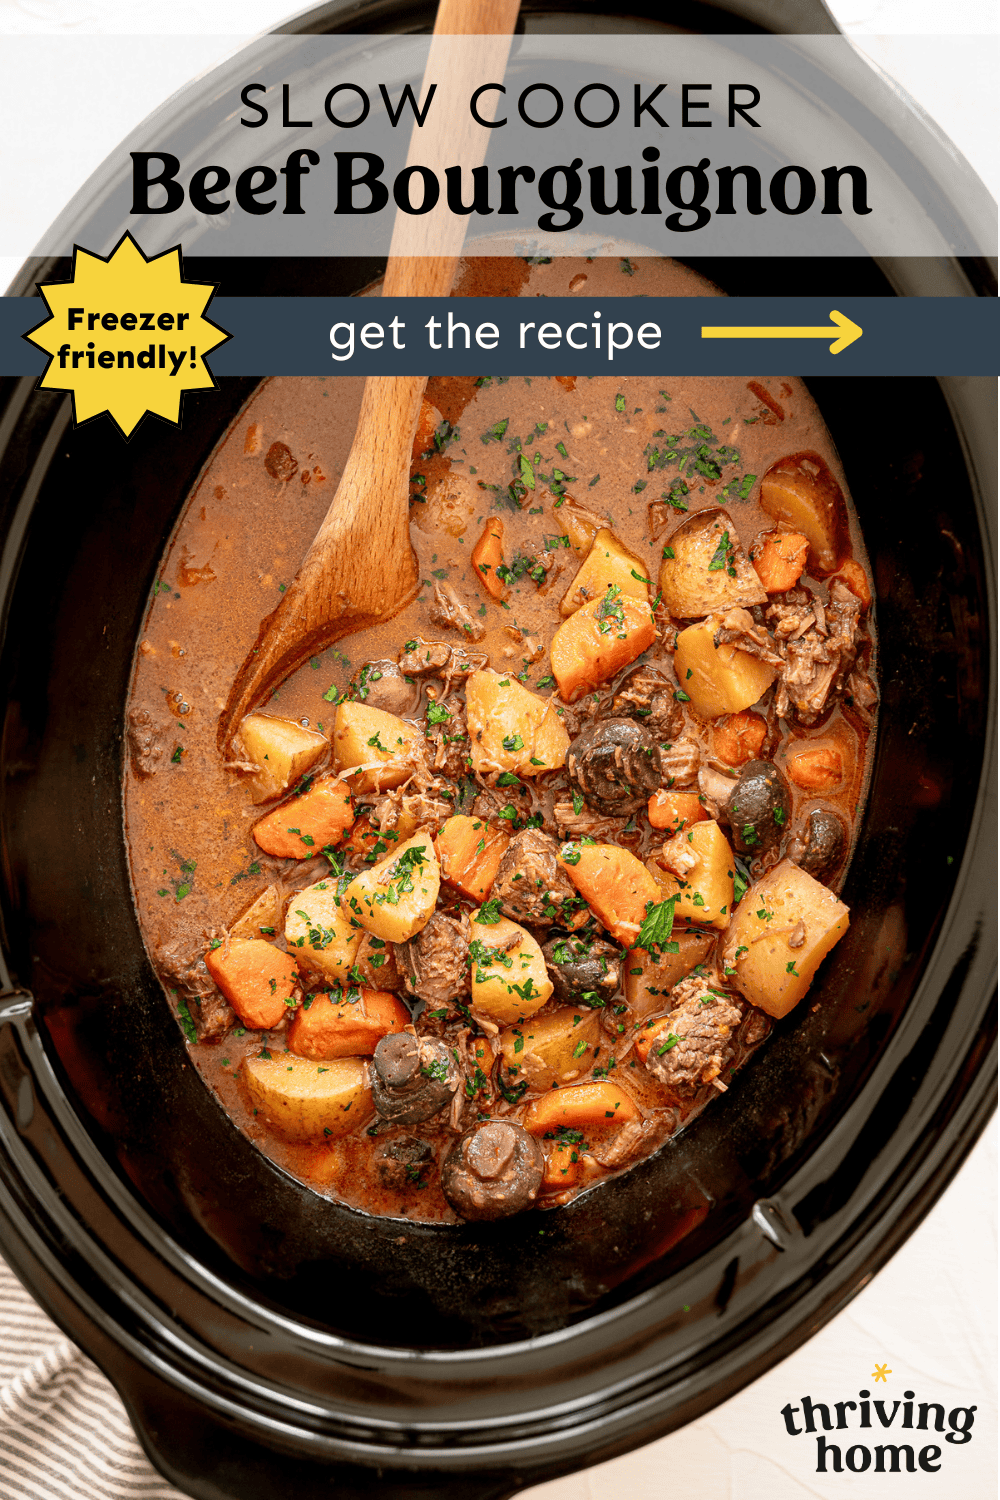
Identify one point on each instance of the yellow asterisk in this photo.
(880, 1372)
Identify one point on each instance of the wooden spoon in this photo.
(361, 567)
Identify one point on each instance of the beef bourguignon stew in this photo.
(492, 898)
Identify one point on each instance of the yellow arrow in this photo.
(840, 329)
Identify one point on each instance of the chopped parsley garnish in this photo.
(723, 556)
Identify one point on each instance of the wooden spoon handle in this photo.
(361, 568)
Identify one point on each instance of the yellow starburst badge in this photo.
(127, 335)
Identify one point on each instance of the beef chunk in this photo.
(738, 628)
(426, 659)
(529, 883)
(146, 741)
(184, 973)
(448, 738)
(381, 684)
(645, 694)
(637, 1138)
(450, 611)
(615, 763)
(435, 963)
(818, 645)
(375, 961)
(679, 762)
(695, 1046)
(585, 824)
(212, 1015)
(403, 1162)
(438, 659)
(430, 812)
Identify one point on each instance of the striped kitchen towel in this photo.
(64, 1434)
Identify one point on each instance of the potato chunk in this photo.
(705, 569)
(309, 1101)
(552, 1049)
(388, 747)
(784, 927)
(281, 749)
(598, 640)
(800, 491)
(718, 679)
(320, 933)
(509, 977)
(579, 526)
(649, 977)
(705, 891)
(396, 898)
(511, 729)
(607, 562)
(262, 918)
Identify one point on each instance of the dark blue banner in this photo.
(576, 335)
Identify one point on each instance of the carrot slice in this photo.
(739, 738)
(345, 1023)
(781, 560)
(644, 1042)
(487, 558)
(616, 886)
(582, 1106)
(563, 1166)
(256, 978)
(675, 810)
(470, 852)
(301, 828)
(816, 770)
(853, 576)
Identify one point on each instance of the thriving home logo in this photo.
(820, 1417)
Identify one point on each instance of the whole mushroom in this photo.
(758, 808)
(819, 847)
(402, 1161)
(615, 763)
(493, 1170)
(412, 1078)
